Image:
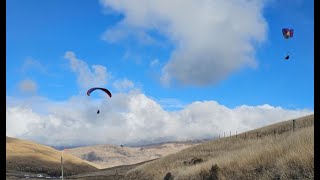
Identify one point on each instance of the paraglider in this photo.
(98, 88)
(287, 34)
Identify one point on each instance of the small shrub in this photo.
(169, 176)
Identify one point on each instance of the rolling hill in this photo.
(105, 156)
(271, 152)
(29, 157)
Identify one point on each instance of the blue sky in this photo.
(230, 53)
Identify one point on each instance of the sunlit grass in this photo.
(277, 153)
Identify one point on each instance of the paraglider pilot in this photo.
(287, 57)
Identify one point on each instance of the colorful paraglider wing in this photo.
(287, 33)
(291, 32)
(95, 88)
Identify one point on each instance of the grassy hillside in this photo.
(27, 156)
(271, 152)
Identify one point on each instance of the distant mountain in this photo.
(104, 156)
(145, 144)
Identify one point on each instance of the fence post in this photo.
(293, 125)
(230, 133)
(236, 134)
(224, 134)
(62, 165)
(274, 132)
(257, 135)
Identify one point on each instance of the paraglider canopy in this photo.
(287, 33)
(95, 88)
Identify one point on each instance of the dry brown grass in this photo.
(27, 156)
(281, 155)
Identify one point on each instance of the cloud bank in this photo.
(212, 38)
(128, 118)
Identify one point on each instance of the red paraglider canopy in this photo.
(287, 33)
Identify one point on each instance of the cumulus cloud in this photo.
(28, 86)
(19, 120)
(132, 117)
(211, 38)
(87, 77)
(123, 85)
(171, 103)
(119, 34)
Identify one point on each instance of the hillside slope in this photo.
(271, 152)
(27, 156)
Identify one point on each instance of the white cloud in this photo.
(28, 86)
(171, 103)
(132, 117)
(154, 63)
(86, 77)
(120, 33)
(123, 85)
(18, 120)
(213, 38)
